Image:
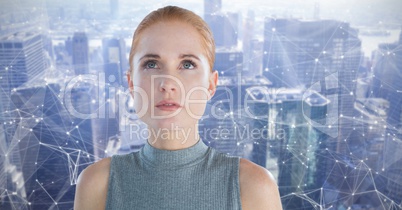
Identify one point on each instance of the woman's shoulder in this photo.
(92, 185)
(258, 188)
(97, 170)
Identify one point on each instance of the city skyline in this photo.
(300, 93)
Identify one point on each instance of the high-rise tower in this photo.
(80, 50)
(21, 60)
(326, 61)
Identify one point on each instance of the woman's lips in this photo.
(168, 105)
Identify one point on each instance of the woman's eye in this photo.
(151, 65)
(188, 65)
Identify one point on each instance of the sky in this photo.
(357, 12)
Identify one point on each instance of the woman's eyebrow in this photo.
(155, 56)
(188, 56)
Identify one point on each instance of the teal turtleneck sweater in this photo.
(197, 177)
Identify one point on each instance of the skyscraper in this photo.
(226, 125)
(211, 7)
(114, 8)
(224, 26)
(54, 146)
(248, 48)
(387, 85)
(106, 126)
(326, 61)
(115, 61)
(289, 139)
(296, 57)
(80, 50)
(21, 60)
(228, 62)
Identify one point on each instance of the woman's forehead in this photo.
(176, 37)
(171, 30)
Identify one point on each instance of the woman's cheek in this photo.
(138, 101)
(196, 102)
(142, 98)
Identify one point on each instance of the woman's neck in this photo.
(168, 139)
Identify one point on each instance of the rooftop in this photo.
(243, 80)
(18, 37)
(269, 95)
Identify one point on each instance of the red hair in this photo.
(173, 13)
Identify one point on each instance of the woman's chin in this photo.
(166, 124)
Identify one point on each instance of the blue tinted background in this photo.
(311, 90)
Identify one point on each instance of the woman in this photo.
(171, 80)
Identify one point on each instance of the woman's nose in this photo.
(168, 84)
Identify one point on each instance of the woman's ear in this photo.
(130, 83)
(213, 83)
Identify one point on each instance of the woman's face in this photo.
(170, 64)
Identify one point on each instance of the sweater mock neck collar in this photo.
(165, 159)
